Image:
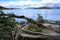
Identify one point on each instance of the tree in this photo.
(40, 19)
(6, 26)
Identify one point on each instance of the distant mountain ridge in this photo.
(1, 7)
(55, 7)
(43, 8)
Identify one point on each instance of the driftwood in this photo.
(23, 17)
(16, 32)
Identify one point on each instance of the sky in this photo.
(29, 3)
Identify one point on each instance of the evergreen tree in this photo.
(40, 19)
(6, 26)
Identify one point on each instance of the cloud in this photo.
(29, 3)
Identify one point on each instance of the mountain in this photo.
(1, 8)
(55, 7)
(43, 8)
(30, 7)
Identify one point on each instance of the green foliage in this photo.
(2, 7)
(6, 26)
(40, 19)
(11, 15)
(34, 28)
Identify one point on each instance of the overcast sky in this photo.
(28, 3)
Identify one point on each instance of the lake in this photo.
(48, 14)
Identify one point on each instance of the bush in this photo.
(6, 26)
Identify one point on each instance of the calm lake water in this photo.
(48, 14)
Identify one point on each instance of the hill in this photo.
(2, 8)
(43, 8)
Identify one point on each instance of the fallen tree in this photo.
(16, 30)
(23, 17)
